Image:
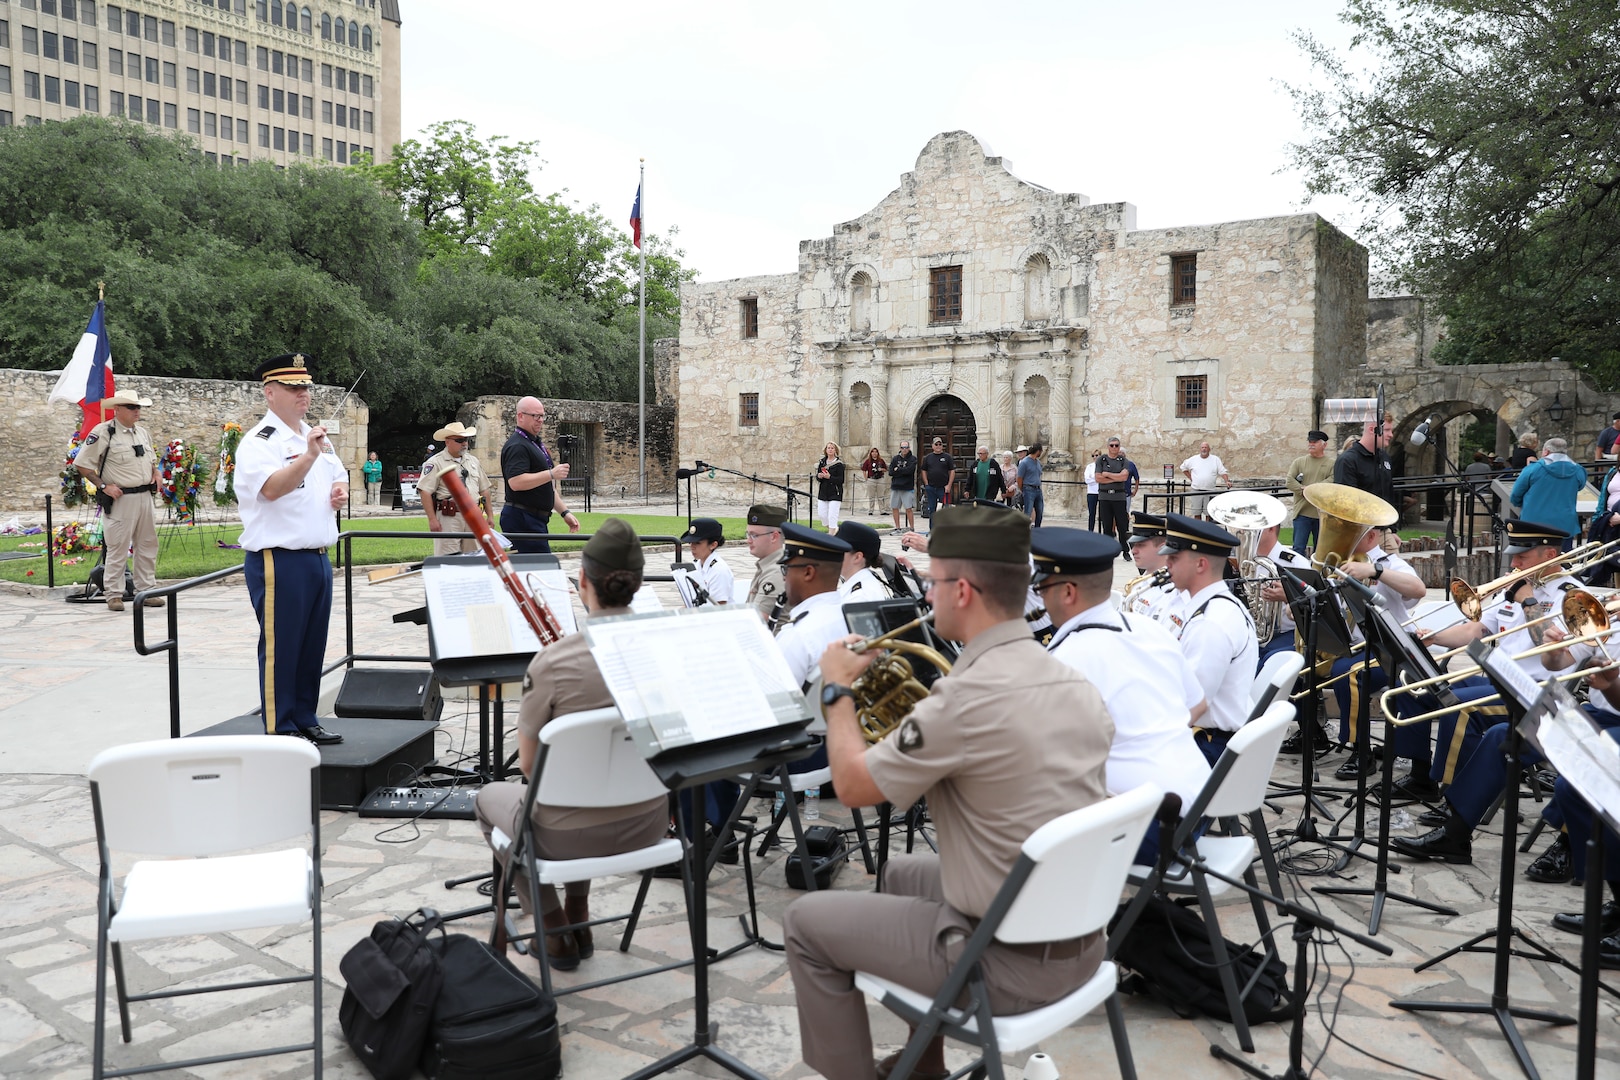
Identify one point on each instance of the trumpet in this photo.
(1471, 601)
(887, 691)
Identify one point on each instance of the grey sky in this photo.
(765, 124)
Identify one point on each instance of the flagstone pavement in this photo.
(63, 697)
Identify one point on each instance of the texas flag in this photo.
(88, 377)
(635, 218)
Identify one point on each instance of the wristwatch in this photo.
(1378, 571)
(831, 692)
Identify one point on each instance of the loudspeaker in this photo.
(390, 694)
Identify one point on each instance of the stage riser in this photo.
(374, 753)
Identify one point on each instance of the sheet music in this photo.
(683, 677)
(473, 614)
(1584, 756)
(686, 584)
(645, 601)
(1502, 668)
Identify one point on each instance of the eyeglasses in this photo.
(536, 415)
(454, 438)
(1040, 589)
(763, 534)
(942, 580)
(137, 408)
(1113, 444)
(797, 565)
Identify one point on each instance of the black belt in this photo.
(138, 490)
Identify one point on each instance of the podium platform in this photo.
(374, 753)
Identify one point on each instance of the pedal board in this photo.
(420, 802)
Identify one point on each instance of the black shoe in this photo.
(727, 847)
(1574, 922)
(1438, 844)
(317, 735)
(1554, 867)
(1416, 787)
(1609, 952)
(1296, 741)
(1432, 818)
(1355, 769)
(667, 871)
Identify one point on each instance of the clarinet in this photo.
(539, 617)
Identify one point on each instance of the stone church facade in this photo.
(977, 305)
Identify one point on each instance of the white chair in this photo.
(192, 802)
(1236, 788)
(1276, 678)
(586, 759)
(1065, 884)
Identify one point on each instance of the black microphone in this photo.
(700, 465)
(1368, 594)
(682, 474)
(1169, 811)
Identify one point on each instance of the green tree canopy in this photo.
(1480, 144)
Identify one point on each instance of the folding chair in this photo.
(586, 759)
(1065, 883)
(192, 801)
(1236, 788)
(1275, 680)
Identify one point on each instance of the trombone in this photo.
(1471, 601)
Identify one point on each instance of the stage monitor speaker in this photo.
(390, 694)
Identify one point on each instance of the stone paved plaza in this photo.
(59, 704)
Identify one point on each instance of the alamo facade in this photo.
(976, 305)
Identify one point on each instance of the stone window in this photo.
(5, 78)
(326, 27)
(749, 311)
(860, 304)
(1183, 281)
(748, 410)
(305, 21)
(92, 98)
(1037, 285)
(1192, 396)
(945, 294)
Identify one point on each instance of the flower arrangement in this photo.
(74, 538)
(230, 437)
(75, 492)
(183, 477)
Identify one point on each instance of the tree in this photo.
(455, 185)
(1480, 148)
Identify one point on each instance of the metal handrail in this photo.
(171, 645)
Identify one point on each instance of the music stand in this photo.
(1523, 697)
(1320, 622)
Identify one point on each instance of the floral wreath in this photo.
(75, 492)
(230, 437)
(183, 477)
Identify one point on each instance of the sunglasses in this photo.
(454, 438)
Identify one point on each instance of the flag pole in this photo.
(641, 356)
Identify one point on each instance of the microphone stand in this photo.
(786, 488)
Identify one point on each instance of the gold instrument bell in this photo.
(887, 691)
(1347, 514)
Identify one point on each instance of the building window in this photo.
(193, 80)
(1192, 396)
(92, 99)
(194, 121)
(326, 27)
(276, 99)
(750, 317)
(154, 112)
(242, 132)
(309, 145)
(210, 125)
(132, 24)
(366, 85)
(241, 92)
(50, 46)
(365, 39)
(309, 108)
(945, 294)
(115, 61)
(275, 12)
(340, 30)
(343, 153)
(31, 85)
(264, 136)
(280, 137)
(152, 69)
(5, 78)
(326, 149)
(149, 28)
(342, 116)
(46, 7)
(89, 55)
(168, 33)
(115, 102)
(1183, 280)
(262, 55)
(53, 89)
(5, 34)
(354, 118)
(264, 96)
(306, 69)
(168, 74)
(70, 94)
(276, 59)
(70, 50)
(192, 39)
(30, 41)
(354, 82)
(241, 51)
(70, 9)
(171, 115)
(748, 410)
(87, 13)
(326, 112)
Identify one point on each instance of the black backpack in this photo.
(392, 984)
(491, 1022)
(1170, 958)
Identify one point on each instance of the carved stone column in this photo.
(833, 405)
(880, 409)
(1001, 414)
(1062, 375)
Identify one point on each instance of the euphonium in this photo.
(887, 691)
(1249, 514)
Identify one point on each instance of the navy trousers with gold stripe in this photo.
(1410, 742)
(292, 596)
(1485, 774)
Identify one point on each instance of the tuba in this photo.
(1248, 514)
(1347, 514)
(887, 691)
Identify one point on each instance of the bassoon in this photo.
(539, 617)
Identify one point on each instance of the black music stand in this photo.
(1397, 651)
(1321, 624)
(1522, 697)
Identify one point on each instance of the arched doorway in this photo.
(948, 417)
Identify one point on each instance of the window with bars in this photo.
(748, 410)
(945, 294)
(1192, 396)
(1183, 280)
(750, 317)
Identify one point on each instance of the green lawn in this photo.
(190, 551)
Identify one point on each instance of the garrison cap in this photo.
(704, 529)
(614, 545)
(802, 540)
(1071, 551)
(1182, 533)
(766, 515)
(863, 538)
(996, 534)
(1145, 526)
(288, 369)
(1528, 535)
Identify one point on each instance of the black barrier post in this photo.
(50, 548)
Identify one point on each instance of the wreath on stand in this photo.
(230, 437)
(183, 477)
(75, 492)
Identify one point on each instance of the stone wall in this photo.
(610, 429)
(190, 409)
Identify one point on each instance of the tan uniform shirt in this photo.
(562, 679)
(1011, 739)
(122, 467)
(433, 469)
(767, 587)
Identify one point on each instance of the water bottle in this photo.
(776, 811)
(812, 804)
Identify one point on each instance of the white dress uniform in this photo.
(714, 574)
(813, 624)
(1150, 692)
(1394, 602)
(1549, 597)
(1217, 638)
(300, 519)
(1286, 556)
(864, 585)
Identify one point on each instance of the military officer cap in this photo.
(615, 546)
(863, 538)
(1145, 526)
(1528, 535)
(1182, 533)
(766, 515)
(996, 534)
(127, 397)
(801, 540)
(456, 430)
(704, 529)
(289, 369)
(1071, 551)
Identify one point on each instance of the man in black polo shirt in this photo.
(937, 469)
(1366, 466)
(532, 493)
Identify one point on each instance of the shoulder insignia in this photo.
(910, 736)
(266, 432)
(768, 587)
(90, 438)
(427, 468)
(1567, 586)
(528, 682)
(857, 586)
(799, 618)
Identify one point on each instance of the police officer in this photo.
(1216, 633)
(1008, 741)
(1133, 662)
(531, 476)
(765, 545)
(118, 458)
(442, 513)
(863, 566)
(288, 483)
(705, 537)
